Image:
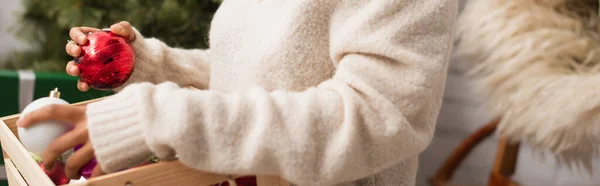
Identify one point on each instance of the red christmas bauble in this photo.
(106, 61)
(57, 174)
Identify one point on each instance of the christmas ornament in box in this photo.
(38, 137)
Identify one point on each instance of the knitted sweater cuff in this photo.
(146, 63)
(116, 132)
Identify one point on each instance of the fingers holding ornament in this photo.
(81, 163)
(67, 114)
(63, 143)
(72, 69)
(36, 134)
(124, 29)
(73, 49)
(97, 171)
(103, 57)
(78, 34)
(82, 86)
(107, 60)
(52, 131)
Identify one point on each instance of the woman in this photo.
(316, 92)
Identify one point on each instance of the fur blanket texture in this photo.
(537, 65)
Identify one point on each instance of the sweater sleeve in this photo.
(378, 110)
(155, 62)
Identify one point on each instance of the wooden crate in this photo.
(21, 168)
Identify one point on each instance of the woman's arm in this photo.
(378, 110)
(156, 62)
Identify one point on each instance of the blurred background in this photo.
(33, 34)
(33, 30)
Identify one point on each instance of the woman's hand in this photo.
(78, 35)
(71, 115)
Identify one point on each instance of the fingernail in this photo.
(119, 29)
(73, 50)
(20, 121)
(81, 39)
(72, 70)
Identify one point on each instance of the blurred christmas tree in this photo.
(45, 24)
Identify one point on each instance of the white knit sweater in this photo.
(317, 92)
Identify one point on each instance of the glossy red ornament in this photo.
(57, 174)
(106, 61)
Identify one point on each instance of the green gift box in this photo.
(19, 88)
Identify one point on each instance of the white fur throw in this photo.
(536, 62)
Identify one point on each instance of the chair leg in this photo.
(445, 173)
(505, 163)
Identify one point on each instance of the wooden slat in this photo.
(21, 158)
(11, 123)
(506, 157)
(266, 180)
(504, 164)
(163, 173)
(444, 174)
(13, 175)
